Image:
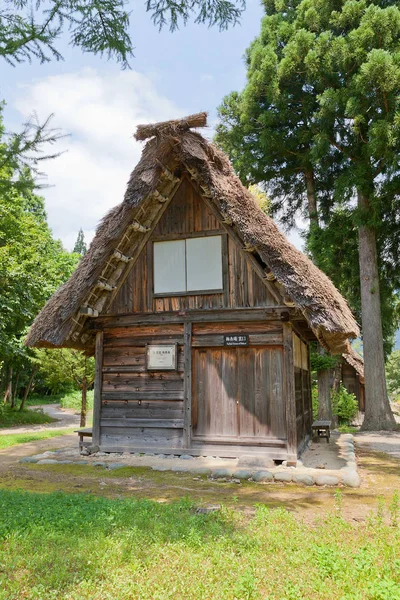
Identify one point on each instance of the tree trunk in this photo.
(378, 414)
(14, 396)
(84, 403)
(8, 392)
(28, 388)
(311, 199)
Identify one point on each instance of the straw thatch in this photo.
(175, 147)
(354, 360)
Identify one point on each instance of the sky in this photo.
(99, 106)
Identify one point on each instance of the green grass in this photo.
(60, 546)
(12, 439)
(10, 417)
(348, 429)
(66, 400)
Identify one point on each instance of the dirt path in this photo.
(65, 418)
(378, 441)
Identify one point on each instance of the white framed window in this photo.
(188, 265)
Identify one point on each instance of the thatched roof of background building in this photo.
(355, 360)
(174, 146)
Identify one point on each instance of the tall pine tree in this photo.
(80, 245)
(323, 80)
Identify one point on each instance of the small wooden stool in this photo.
(84, 433)
(322, 429)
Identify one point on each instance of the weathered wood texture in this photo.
(289, 392)
(187, 215)
(238, 395)
(304, 417)
(98, 383)
(141, 408)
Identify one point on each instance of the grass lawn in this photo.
(61, 546)
(12, 439)
(10, 417)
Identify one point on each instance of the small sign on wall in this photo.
(161, 357)
(236, 339)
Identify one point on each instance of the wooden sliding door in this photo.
(237, 394)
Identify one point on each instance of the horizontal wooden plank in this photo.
(130, 423)
(174, 329)
(141, 379)
(133, 405)
(131, 358)
(195, 316)
(239, 327)
(202, 450)
(247, 441)
(153, 438)
(132, 395)
(146, 386)
(111, 341)
(256, 339)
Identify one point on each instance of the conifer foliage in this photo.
(319, 121)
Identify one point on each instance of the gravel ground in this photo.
(379, 441)
(66, 417)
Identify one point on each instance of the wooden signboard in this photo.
(161, 357)
(236, 339)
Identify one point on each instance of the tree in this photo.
(393, 373)
(80, 245)
(32, 266)
(98, 26)
(64, 367)
(326, 78)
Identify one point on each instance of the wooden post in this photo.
(187, 349)
(98, 382)
(289, 387)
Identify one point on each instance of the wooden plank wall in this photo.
(141, 408)
(188, 215)
(238, 391)
(302, 389)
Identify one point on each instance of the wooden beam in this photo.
(98, 384)
(88, 311)
(160, 197)
(106, 287)
(289, 391)
(136, 226)
(187, 384)
(275, 313)
(120, 257)
(269, 276)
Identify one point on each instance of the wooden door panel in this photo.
(238, 393)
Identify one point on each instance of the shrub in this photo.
(344, 405)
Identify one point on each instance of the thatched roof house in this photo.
(353, 375)
(172, 150)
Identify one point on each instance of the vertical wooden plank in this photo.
(187, 384)
(225, 270)
(289, 390)
(246, 392)
(229, 389)
(98, 384)
(262, 401)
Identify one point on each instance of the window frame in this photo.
(184, 236)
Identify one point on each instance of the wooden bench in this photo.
(322, 429)
(84, 433)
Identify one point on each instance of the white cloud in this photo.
(100, 112)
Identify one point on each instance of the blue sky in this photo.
(173, 74)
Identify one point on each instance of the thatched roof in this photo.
(172, 150)
(354, 360)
